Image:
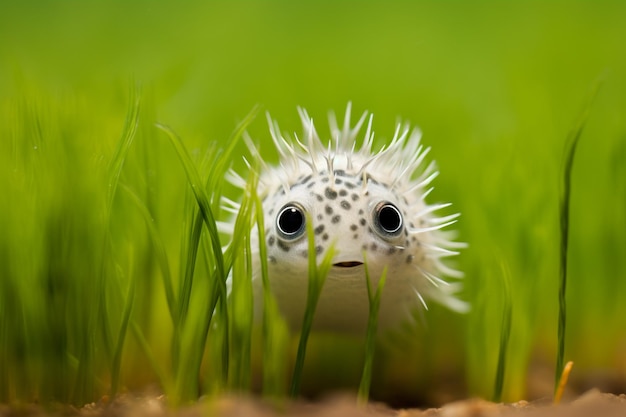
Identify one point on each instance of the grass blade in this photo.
(101, 317)
(275, 332)
(241, 298)
(159, 248)
(202, 198)
(317, 277)
(570, 151)
(372, 326)
(123, 145)
(505, 333)
(117, 354)
(190, 255)
(219, 168)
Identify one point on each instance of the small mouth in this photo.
(348, 264)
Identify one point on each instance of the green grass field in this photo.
(109, 269)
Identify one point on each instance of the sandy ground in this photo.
(592, 403)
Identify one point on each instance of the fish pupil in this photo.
(389, 219)
(290, 222)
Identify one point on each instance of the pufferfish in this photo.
(371, 206)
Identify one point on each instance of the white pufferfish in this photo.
(371, 206)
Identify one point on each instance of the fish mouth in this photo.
(347, 264)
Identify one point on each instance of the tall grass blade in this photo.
(372, 326)
(505, 333)
(218, 296)
(159, 248)
(202, 198)
(317, 277)
(570, 151)
(129, 132)
(123, 145)
(162, 260)
(275, 332)
(241, 321)
(223, 161)
(190, 254)
(241, 298)
(119, 347)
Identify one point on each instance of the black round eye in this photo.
(290, 221)
(388, 219)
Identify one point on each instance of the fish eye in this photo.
(290, 221)
(387, 219)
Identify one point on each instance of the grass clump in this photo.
(193, 331)
(190, 332)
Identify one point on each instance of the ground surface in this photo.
(592, 403)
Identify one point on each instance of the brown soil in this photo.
(592, 403)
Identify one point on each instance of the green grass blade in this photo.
(505, 333)
(191, 248)
(218, 297)
(570, 151)
(275, 332)
(117, 354)
(114, 171)
(123, 145)
(189, 254)
(223, 161)
(370, 339)
(214, 182)
(159, 248)
(241, 298)
(202, 198)
(241, 322)
(317, 277)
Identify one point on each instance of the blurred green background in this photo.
(495, 86)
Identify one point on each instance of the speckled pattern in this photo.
(344, 207)
(372, 207)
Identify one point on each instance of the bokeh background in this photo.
(495, 86)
